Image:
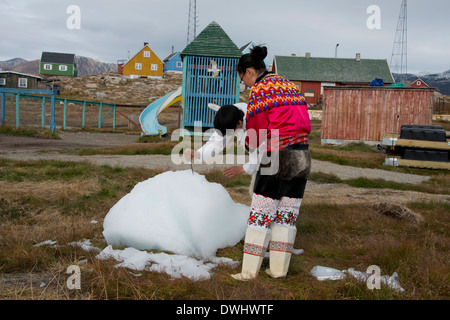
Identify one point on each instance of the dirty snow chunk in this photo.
(178, 212)
(392, 282)
(325, 273)
(46, 242)
(85, 244)
(174, 265)
(358, 275)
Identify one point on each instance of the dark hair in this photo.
(227, 117)
(254, 59)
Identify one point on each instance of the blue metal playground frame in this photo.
(201, 86)
(17, 93)
(42, 95)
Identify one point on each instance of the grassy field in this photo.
(66, 202)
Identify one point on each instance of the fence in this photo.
(17, 93)
(367, 113)
(67, 110)
(441, 106)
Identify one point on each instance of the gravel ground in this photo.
(26, 148)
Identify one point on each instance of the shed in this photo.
(58, 64)
(11, 79)
(367, 113)
(313, 74)
(145, 63)
(209, 75)
(173, 62)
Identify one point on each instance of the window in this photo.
(309, 93)
(146, 54)
(138, 66)
(154, 67)
(47, 66)
(62, 67)
(2, 81)
(179, 64)
(22, 82)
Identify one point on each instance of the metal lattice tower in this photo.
(399, 58)
(192, 21)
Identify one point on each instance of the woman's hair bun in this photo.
(258, 53)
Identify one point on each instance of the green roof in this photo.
(212, 42)
(332, 69)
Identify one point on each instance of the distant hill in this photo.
(440, 81)
(7, 65)
(86, 66)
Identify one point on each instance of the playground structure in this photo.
(209, 76)
(148, 118)
(44, 96)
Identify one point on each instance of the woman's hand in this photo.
(234, 171)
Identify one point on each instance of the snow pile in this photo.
(174, 265)
(325, 273)
(46, 243)
(85, 244)
(178, 212)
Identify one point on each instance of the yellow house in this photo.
(144, 64)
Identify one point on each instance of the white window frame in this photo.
(146, 54)
(154, 67)
(47, 66)
(62, 67)
(179, 64)
(138, 66)
(23, 83)
(2, 82)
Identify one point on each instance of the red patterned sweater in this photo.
(277, 106)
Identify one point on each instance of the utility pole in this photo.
(335, 50)
(399, 58)
(192, 21)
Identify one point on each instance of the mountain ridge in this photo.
(439, 81)
(86, 66)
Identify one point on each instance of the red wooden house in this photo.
(312, 74)
(419, 83)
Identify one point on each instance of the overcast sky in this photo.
(109, 30)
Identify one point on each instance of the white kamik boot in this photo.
(283, 236)
(281, 246)
(255, 246)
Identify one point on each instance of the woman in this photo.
(277, 113)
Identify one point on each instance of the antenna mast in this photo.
(192, 21)
(399, 58)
